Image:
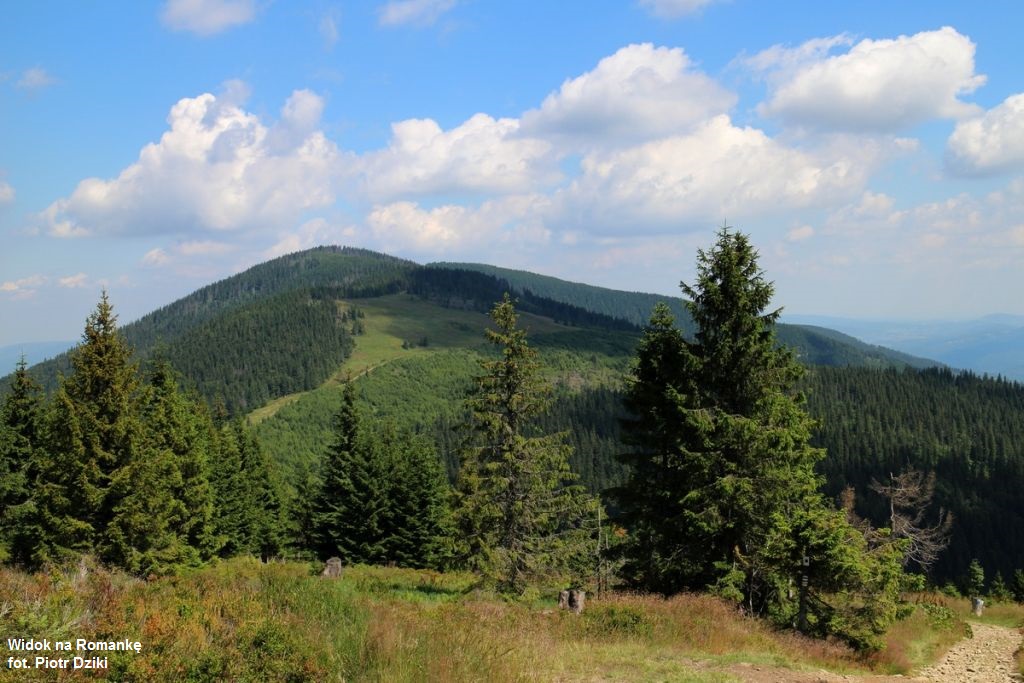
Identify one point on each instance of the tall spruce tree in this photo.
(351, 509)
(517, 505)
(232, 500)
(93, 434)
(661, 555)
(121, 471)
(722, 493)
(164, 519)
(382, 496)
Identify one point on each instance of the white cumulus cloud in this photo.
(873, 212)
(203, 248)
(718, 171)
(417, 12)
(482, 154)
(314, 232)
(6, 193)
(218, 168)
(639, 93)
(207, 17)
(878, 85)
(453, 228)
(991, 143)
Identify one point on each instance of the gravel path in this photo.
(985, 658)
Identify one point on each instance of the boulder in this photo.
(332, 569)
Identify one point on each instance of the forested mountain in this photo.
(634, 307)
(262, 333)
(276, 329)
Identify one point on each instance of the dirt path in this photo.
(985, 658)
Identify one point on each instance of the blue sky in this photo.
(873, 150)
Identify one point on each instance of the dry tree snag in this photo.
(910, 495)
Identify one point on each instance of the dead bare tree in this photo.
(910, 495)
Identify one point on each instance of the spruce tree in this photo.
(181, 426)
(93, 434)
(418, 517)
(57, 521)
(1017, 586)
(249, 515)
(20, 441)
(122, 471)
(164, 518)
(232, 500)
(515, 492)
(722, 493)
(261, 480)
(659, 553)
(142, 535)
(350, 512)
(975, 580)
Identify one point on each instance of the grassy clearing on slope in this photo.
(390, 322)
(395, 326)
(413, 387)
(244, 621)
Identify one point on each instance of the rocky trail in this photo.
(985, 658)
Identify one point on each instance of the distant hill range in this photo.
(993, 344)
(33, 352)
